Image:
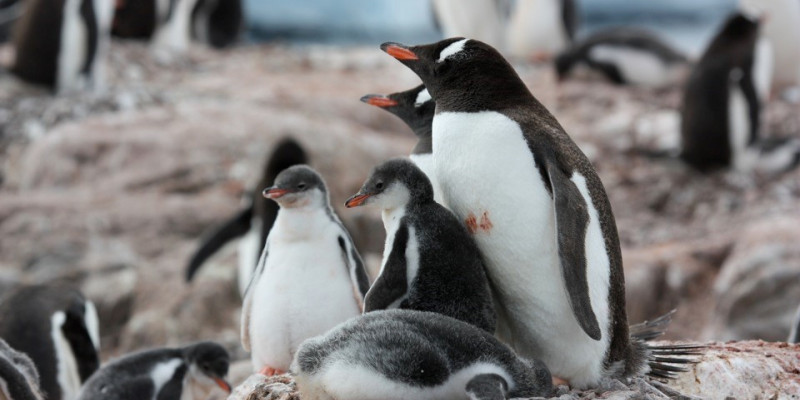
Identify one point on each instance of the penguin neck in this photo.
(301, 223)
(391, 217)
(503, 90)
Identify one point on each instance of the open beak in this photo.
(356, 200)
(274, 193)
(378, 100)
(222, 384)
(399, 51)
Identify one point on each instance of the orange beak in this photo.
(222, 384)
(356, 200)
(399, 51)
(274, 193)
(378, 101)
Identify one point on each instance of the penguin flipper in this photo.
(355, 265)
(572, 221)
(80, 340)
(247, 303)
(569, 13)
(392, 283)
(233, 228)
(487, 387)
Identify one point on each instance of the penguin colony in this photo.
(501, 271)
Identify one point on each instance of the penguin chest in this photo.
(425, 163)
(304, 291)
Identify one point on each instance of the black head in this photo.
(394, 183)
(462, 74)
(415, 107)
(298, 186)
(738, 34)
(211, 360)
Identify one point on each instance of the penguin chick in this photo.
(310, 276)
(430, 262)
(191, 372)
(408, 354)
(625, 55)
(415, 107)
(252, 222)
(58, 329)
(19, 379)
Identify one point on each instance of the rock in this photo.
(260, 387)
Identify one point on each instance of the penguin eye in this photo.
(301, 186)
(379, 185)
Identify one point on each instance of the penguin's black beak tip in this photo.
(356, 200)
(378, 100)
(399, 51)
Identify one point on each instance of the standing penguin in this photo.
(255, 221)
(188, 373)
(217, 23)
(721, 113)
(174, 28)
(415, 107)
(407, 354)
(430, 263)
(69, 54)
(135, 19)
(58, 329)
(19, 379)
(542, 28)
(547, 232)
(310, 276)
(625, 56)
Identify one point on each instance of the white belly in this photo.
(425, 163)
(484, 167)
(636, 66)
(782, 29)
(481, 20)
(537, 27)
(304, 291)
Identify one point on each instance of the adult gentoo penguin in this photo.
(191, 372)
(407, 354)
(58, 329)
(19, 379)
(430, 262)
(69, 54)
(542, 28)
(415, 107)
(548, 236)
(217, 23)
(174, 28)
(254, 221)
(625, 55)
(721, 112)
(135, 19)
(310, 276)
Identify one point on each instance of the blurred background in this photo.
(111, 187)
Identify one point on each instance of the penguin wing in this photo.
(248, 297)
(80, 340)
(572, 221)
(748, 86)
(392, 282)
(355, 266)
(487, 387)
(233, 228)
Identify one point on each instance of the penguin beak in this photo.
(399, 51)
(274, 193)
(378, 100)
(222, 384)
(357, 200)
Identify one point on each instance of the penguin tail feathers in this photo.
(665, 361)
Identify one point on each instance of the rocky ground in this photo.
(112, 191)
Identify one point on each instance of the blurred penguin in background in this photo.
(217, 23)
(484, 20)
(781, 27)
(63, 44)
(58, 329)
(625, 56)
(721, 118)
(540, 29)
(794, 336)
(19, 379)
(173, 28)
(134, 19)
(254, 222)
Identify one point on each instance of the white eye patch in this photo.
(452, 49)
(422, 97)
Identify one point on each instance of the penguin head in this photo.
(298, 186)
(393, 184)
(738, 35)
(415, 107)
(208, 364)
(459, 69)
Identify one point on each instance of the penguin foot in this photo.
(558, 382)
(269, 371)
